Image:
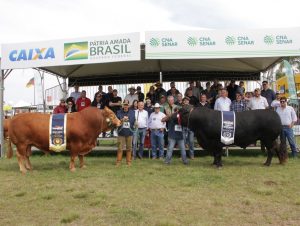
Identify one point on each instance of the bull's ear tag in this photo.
(107, 120)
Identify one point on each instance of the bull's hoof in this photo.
(267, 164)
(72, 170)
(23, 172)
(83, 167)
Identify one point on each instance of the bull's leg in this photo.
(270, 153)
(20, 162)
(27, 161)
(81, 161)
(72, 163)
(217, 157)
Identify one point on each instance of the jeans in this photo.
(189, 139)
(289, 134)
(171, 146)
(157, 141)
(139, 137)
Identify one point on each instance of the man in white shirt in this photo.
(288, 117)
(76, 94)
(276, 103)
(157, 128)
(131, 96)
(223, 102)
(258, 101)
(141, 125)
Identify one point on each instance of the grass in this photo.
(150, 193)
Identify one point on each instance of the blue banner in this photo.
(58, 132)
(228, 127)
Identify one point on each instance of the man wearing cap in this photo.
(131, 96)
(125, 133)
(157, 128)
(141, 96)
(61, 108)
(267, 92)
(82, 102)
(159, 91)
(141, 125)
(288, 118)
(258, 101)
(276, 103)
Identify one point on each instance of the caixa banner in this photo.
(112, 48)
(206, 44)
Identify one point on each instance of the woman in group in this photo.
(134, 105)
(71, 107)
(99, 101)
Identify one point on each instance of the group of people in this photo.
(150, 114)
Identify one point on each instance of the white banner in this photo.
(112, 48)
(207, 44)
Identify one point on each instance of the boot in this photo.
(119, 157)
(128, 157)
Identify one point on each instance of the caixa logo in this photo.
(32, 54)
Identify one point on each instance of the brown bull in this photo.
(83, 128)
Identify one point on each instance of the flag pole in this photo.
(34, 94)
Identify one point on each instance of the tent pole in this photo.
(1, 112)
(65, 91)
(160, 77)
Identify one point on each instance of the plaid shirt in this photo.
(238, 106)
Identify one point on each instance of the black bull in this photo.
(263, 125)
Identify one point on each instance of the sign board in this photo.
(206, 44)
(111, 48)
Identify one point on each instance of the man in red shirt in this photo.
(82, 102)
(61, 108)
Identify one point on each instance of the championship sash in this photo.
(228, 127)
(57, 132)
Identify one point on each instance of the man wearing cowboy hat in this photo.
(157, 128)
(131, 96)
(159, 91)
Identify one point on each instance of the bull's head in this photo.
(111, 119)
(183, 116)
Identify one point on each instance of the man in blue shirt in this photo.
(175, 135)
(125, 132)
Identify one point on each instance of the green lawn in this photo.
(244, 192)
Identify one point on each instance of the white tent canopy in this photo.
(178, 56)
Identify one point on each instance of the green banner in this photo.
(291, 82)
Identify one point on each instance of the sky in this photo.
(39, 20)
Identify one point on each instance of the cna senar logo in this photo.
(230, 40)
(192, 41)
(269, 39)
(154, 42)
(32, 54)
(76, 51)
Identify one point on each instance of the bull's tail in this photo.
(9, 153)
